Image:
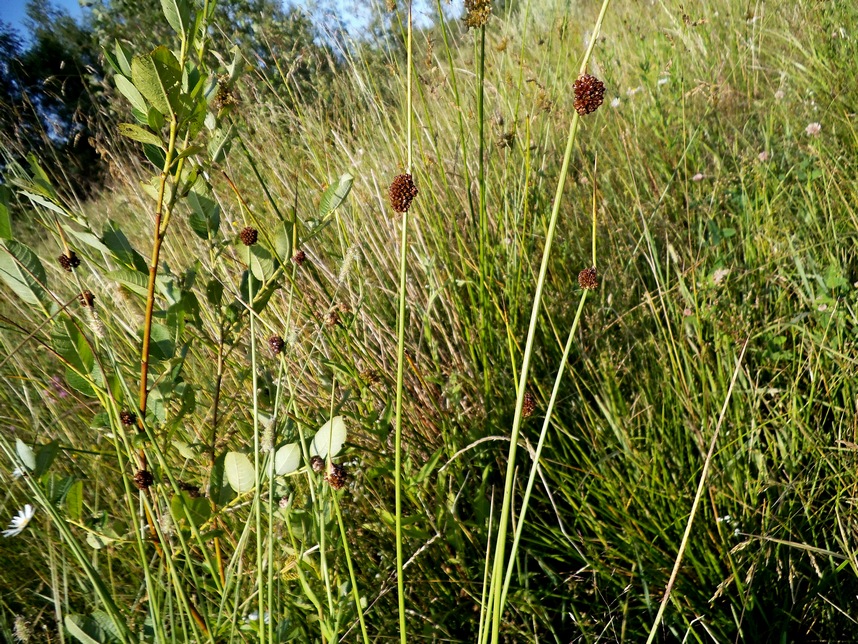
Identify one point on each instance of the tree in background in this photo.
(56, 97)
(50, 93)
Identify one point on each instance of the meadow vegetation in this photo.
(712, 365)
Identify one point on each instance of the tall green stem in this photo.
(400, 355)
(500, 547)
(483, 224)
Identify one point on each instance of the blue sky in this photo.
(12, 11)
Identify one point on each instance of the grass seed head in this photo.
(402, 192)
(587, 279)
(69, 262)
(477, 13)
(249, 235)
(87, 299)
(127, 418)
(143, 479)
(589, 94)
(337, 477)
(276, 344)
(529, 405)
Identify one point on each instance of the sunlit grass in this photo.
(720, 219)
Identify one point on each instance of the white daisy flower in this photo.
(20, 521)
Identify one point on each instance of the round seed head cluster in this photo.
(477, 13)
(86, 299)
(276, 344)
(143, 479)
(529, 405)
(299, 258)
(402, 192)
(589, 94)
(317, 463)
(587, 279)
(127, 418)
(337, 477)
(70, 261)
(248, 235)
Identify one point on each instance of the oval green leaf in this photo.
(26, 454)
(239, 472)
(335, 195)
(330, 438)
(287, 459)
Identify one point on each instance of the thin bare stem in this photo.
(699, 495)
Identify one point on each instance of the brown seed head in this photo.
(248, 235)
(70, 261)
(127, 418)
(402, 192)
(317, 463)
(337, 477)
(589, 94)
(478, 13)
(299, 257)
(529, 405)
(143, 479)
(86, 299)
(192, 490)
(587, 279)
(276, 344)
(332, 319)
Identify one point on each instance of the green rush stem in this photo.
(258, 491)
(352, 578)
(500, 546)
(697, 496)
(400, 356)
(534, 468)
(548, 413)
(270, 548)
(483, 232)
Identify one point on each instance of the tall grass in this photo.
(719, 221)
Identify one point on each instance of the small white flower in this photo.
(633, 90)
(663, 80)
(697, 177)
(19, 471)
(20, 521)
(779, 95)
(725, 519)
(615, 102)
(719, 275)
(822, 307)
(763, 156)
(813, 129)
